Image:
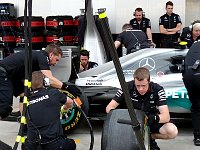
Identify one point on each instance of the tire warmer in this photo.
(102, 23)
(28, 71)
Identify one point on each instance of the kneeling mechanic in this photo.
(43, 117)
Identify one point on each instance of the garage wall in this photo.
(192, 6)
(118, 11)
(153, 10)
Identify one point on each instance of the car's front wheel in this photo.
(72, 118)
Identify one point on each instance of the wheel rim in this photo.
(66, 117)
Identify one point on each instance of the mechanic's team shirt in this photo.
(14, 64)
(145, 23)
(170, 22)
(149, 102)
(133, 38)
(187, 36)
(43, 113)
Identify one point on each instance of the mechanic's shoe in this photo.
(15, 114)
(153, 145)
(197, 142)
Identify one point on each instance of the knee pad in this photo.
(4, 112)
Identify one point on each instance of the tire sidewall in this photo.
(75, 116)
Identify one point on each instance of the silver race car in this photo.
(99, 85)
(165, 66)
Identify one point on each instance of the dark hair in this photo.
(169, 3)
(85, 53)
(141, 74)
(54, 49)
(138, 9)
(126, 26)
(37, 80)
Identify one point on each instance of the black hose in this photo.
(85, 116)
(91, 130)
(28, 71)
(30, 42)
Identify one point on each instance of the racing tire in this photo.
(118, 136)
(72, 119)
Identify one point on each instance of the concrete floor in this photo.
(184, 140)
(8, 133)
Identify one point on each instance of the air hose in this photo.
(90, 127)
(78, 104)
(28, 71)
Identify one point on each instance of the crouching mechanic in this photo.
(149, 97)
(43, 117)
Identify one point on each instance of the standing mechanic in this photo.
(169, 25)
(149, 97)
(133, 40)
(191, 33)
(191, 79)
(12, 74)
(140, 22)
(43, 117)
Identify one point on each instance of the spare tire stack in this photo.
(37, 29)
(7, 33)
(60, 29)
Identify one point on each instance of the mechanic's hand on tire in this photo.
(153, 118)
(71, 88)
(63, 110)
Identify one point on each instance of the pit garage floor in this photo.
(184, 140)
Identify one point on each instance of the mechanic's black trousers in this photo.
(6, 94)
(191, 79)
(61, 143)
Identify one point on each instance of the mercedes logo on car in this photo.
(148, 63)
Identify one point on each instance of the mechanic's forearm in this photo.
(173, 30)
(108, 108)
(117, 44)
(112, 105)
(177, 29)
(168, 32)
(149, 34)
(55, 82)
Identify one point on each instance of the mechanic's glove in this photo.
(5, 112)
(71, 89)
(153, 118)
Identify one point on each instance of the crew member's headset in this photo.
(139, 9)
(193, 23)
